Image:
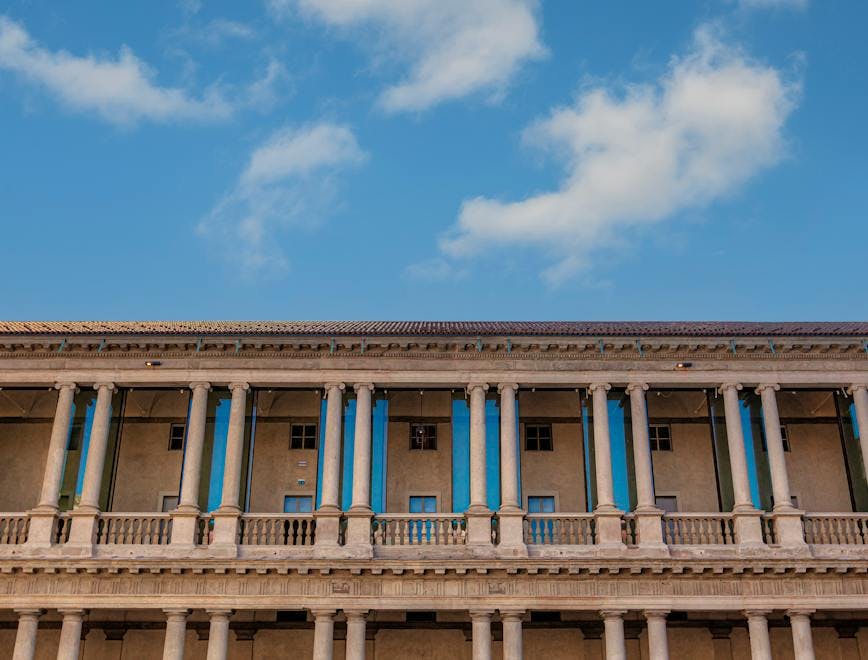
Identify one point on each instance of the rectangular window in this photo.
(538, 437)
(423, 436)
(540, 504)
(423, 504)
(298, 504)
(660, 437)
(669, 503)
(170, 503)
(302, 436)
(176, 437)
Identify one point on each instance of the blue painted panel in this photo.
(349, 450)
(518, 449)
(492, 453)
(319, 460)
(618, 444)
(460, 455)
(747, 431)
(852, 409)
(589, 472)
(379, 448)
(85, 445)
(218, 453)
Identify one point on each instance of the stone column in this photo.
(176, 633)
(227, 515)
(478, 514)
(84, 517)
(359, 516)
(25, 638)
(510, 514)
(328, 515)
(355, 634)
(859, 393)
(70, 635)
(758, 628)
(186, 516)
(43, 516)
(721, 642)
(218, 634)
(607, 516)
(481, 624)
(323, 634)
(803, 642)
(658, 641)
(747, 518)
(648, 516)
(512, 635)
(613, 621)
(787, 520)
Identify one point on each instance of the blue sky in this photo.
(330, 159)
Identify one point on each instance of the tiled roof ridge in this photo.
(442, 328)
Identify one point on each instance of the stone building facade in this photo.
(433, 490)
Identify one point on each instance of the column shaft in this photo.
(25, 637)
(97, 446)
(330, 496)
(758, 629)
(355, 635)
(860, 402)
(56, 458)
(512, 635)
(70, 635)
(362, 449)
(190, 480)
(509, 489)
(478, 485)
(176, 633)
(323, 635)
(234, 447)
(735, 442)
(803, 641)
(481, 624)
(658, 641)
(616, 645)
(602, 448)
(775, 448)
(218, 635)
(641, 446)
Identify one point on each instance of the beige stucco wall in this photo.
(277, 468)
(416, 472)
(25, 430)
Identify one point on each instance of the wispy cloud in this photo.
(119, 89)
(637, 156)
(289, 181)
(452, 48)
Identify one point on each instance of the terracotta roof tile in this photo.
(440, 328)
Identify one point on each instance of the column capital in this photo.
(66, 385)
(333, 385)
(800, 612)
(766, 386)
(72, 613)
(631, 387)
(356, 615)
(169, 611)
(239, 386)
(507, 386)
(358, 387)
(612, 614)
(725, 387)
(511, 615)
(855, 387)
(593, 387)
(219, 614)
(474, 384)
(105, 385)
(655, 614)
(200, 384)
(481, 615)
(756, 614)
(29, 612)
(324, 615)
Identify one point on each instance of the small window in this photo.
(423, 504)
(423, 436)
(660, 437)
(669, 503)
(785, 437)
(540, 504)
(73, 443)
(176, 437)
(170, 503)
(302, 436)
(538, 437)
(297, 504)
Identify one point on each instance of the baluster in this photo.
(861, 527)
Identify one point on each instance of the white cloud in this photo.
(774, 4)
(289, 181)
(121, 89)
(452, 48)
(633, 159)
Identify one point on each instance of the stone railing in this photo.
(133, 529)
(559, 529)
(13, 528)
(204, 529)
(62, 526)
(698, 529)
(281, 529)
(836, 528)
(768, 529)
(419, 529)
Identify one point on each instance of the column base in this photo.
(41, 527)
(608, 524)
(185, 528)
(225, 538)
(510, 527)
(478, 526)
(357, 536)
(328, 532)
(788, 528)
(82, 532)
(649, 529)
(748, 528)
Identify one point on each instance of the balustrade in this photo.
(698, 529)
(13, 528)
(419, 529)
(133, 528)
(269, 529)
(559, 529)
(836, 528)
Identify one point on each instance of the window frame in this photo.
(654, 437)
(429, 443)
(537, 426)
(542, 498)
(425, 498)
(172, 427)
(304, 438)
(298, 497)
